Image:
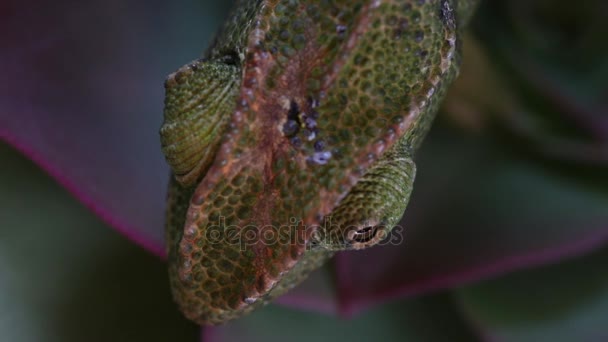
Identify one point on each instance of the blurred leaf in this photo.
(423, 319)
(67, 277)
(84, 96)
(552, 57)
(84, 102)
(566, 302)
(480, 208)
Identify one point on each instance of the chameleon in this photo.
(293, 137)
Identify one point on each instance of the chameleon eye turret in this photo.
(294, 138)
(373, 206)
(199, 101)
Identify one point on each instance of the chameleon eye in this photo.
(373, 206)
(366, 235)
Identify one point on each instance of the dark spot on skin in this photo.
(195, 65)
(291, 127)
(418, 36)
(336, 153)
(261, 284)
(416, 17)
(231, 58)
(401, 27)
(294, 110)
(298, 25)
(340, 29)
(319, 145)
(293, 124)
(313, 243)
(313, 103)
(422, 53)
(310, 122)
(309, 134)
(296, 141)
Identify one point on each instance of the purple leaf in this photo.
(82, 97)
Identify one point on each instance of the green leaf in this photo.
(431, 318)
(565, 302)
(66, 277)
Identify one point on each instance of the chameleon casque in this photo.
(293, 137)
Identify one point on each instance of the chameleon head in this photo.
(299, 145)
(243, 230)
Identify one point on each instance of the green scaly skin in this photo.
(293, 138)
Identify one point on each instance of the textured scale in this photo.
(293, 138)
